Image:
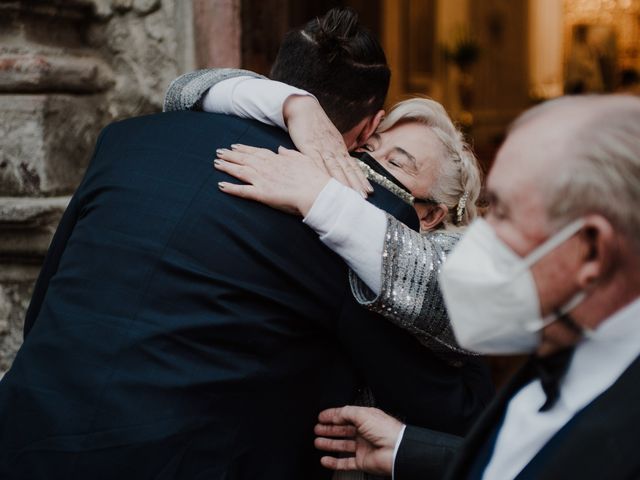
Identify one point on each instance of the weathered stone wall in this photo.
(67, 68)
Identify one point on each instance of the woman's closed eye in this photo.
(402, 162)
(396, 163)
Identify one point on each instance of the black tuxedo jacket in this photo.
(178, 332)
(599, 442)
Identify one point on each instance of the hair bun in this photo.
(335, 29)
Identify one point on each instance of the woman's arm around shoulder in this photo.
(187, 92)
(409, 293)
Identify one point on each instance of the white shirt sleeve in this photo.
(351, 227)
(249, 97)
(395, 451)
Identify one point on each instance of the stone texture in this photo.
(47, 141)
(128, 50)
(14, 300)
(34, 72)
(144, 7)
(68, 68)
(26, 227)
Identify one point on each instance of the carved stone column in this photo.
(67, 68)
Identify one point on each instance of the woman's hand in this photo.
(287, 180)
(315, 136)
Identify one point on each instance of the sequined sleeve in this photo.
(410, 295)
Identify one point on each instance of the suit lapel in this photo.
(600, 441)
(483, 429)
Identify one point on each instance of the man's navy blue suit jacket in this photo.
(178, 332)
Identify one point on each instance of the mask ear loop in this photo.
(571, 324)
(567, 320)
(562, 315)
(555, 241)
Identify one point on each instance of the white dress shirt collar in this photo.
(599, 360)
(603, 356)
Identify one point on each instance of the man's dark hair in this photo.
(340, 62)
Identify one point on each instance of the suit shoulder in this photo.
(186, 122)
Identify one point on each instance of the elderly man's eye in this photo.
(497, 212)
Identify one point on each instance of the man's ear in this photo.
(431, 215)
(600, 252)
(370, 127)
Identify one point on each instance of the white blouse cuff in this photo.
(351, 227)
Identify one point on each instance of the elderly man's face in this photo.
(526, 162)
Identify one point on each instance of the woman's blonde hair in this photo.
(458, 182)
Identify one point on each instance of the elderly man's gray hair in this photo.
(603, 148)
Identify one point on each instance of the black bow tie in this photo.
(550, 370)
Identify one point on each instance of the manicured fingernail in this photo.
(221, 185)
(234, 146)
(221, 151)
(216, 161)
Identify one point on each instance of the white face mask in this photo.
(491, 295)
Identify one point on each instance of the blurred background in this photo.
(69, 67)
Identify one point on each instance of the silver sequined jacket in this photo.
(410, 296)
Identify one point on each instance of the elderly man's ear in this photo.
(431, 215)
(600, 253)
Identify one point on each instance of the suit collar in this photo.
(484, 427)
